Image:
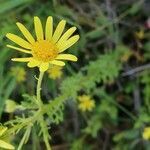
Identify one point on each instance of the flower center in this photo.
(44, 50)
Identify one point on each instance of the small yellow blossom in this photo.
(4, 144)
(19, 73)
(140, 34)
(10, 106)
(146, 133)
(47, 46)
(86, 103)
(55, 72)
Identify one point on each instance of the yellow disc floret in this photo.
(44, 50)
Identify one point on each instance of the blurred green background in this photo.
(113, 68)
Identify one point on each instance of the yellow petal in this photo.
(5, 145)
(66, 35)
(49, 28)
(67, 57)
(19, 49)
(44, 66)
(26, 59)
(2, 130)
(38, 28)
(57, 62)
(62, 47)
(33, 63)
(25, 32)
(59, 30)
(18, 40)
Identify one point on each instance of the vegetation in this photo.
(100, 102)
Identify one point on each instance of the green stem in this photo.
(25, 137)
(38, 94)
(38, 90)
(45, 133)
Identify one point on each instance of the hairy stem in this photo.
(38, 90)
(43, 126)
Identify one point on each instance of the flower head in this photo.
(46, 48)
(146, 133)
(4, 144)
(55, 72)
(86, 103)
(19, 73)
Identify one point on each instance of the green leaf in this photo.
(136, 7)
(10, 4)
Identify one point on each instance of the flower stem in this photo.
(38, 90)
(38, 94)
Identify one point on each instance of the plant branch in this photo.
(135, 70)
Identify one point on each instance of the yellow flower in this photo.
(19, 73)
(46, 48)
(55, 72)
(146, 133)
(86, 103)
(4, 144)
